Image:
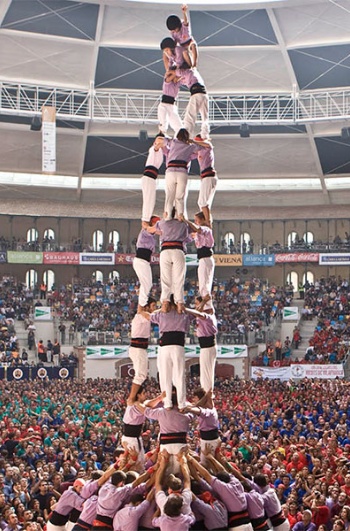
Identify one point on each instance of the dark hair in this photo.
(183, 135)
(196, 487)
(200, 215)
(173, 22)
(96, 474)
(174, 483)
(173, 505)
(168, 42)
(131, 475)
(223, 476)
(199, 392)
(260, 480)
(139, 391)
(151, 300)
(117, 477)
(136, 498)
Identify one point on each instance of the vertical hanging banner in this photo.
(48, 117)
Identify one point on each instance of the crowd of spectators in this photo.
(224, 246)
(105, 311)
(298, 434)
(329, 300)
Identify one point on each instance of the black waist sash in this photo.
(59, 519)
(132, 430)
(139, 342)
(277, 519)
(197, 88)
(208, 172)
(168, 99)
(172, 245)
(143, 253)
(172, 338)
(151, 171)
(172, 438)
(83, 524)
(178, 164)
(204, 252)
(207, 341)
(74, 515)
(209, 435)
(238, 518)
(104, 520)
(260, 523)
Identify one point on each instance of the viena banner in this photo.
(191, 351)
(298, 372)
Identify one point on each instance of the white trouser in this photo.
(176, 192)
(139, 360)
(198, 103)
(243, 527)
(168, 115)
(206, 266)
(149, 185)
(172, 264)
(52, 527)
(171, 368)
(207, 359)
(173, 449)
(149, 189)
(143, 271)
(211, 444)
(207, 191)
(285, 526)
(135, 442)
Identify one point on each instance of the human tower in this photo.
(174, 229)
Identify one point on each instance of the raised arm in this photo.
(155, 401)
(195, 313)
(200, 469)
(185, 471)
(160, 472)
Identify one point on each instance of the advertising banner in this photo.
(297, 372)
(191, 351)
(228, 260)
(96, 259)
(290, 313)
(334, 259)
(317, 371)
(16, 373)
(61, 258)
(284, 258)
(42, 313)
(24, 257)
(48, 115)
(127, 259)
(272, 373)
(264, 260)
(3, 257)
(52, 373)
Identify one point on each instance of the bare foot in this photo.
(180, 307)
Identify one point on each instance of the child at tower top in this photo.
(181, 33)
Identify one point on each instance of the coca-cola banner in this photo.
(284, 258)
(61, 258)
